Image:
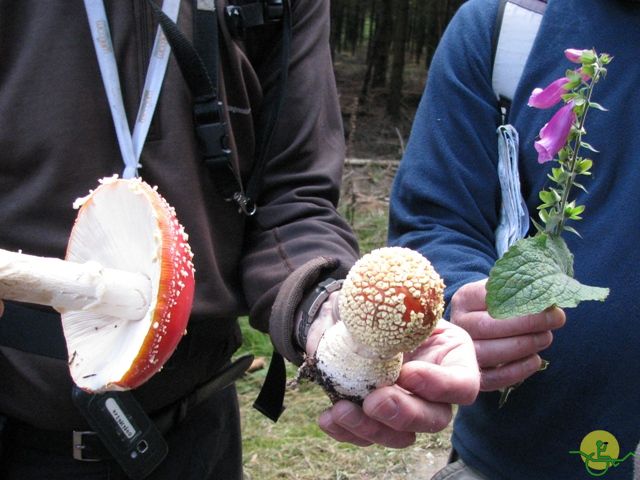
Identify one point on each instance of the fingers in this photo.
(495, 352)
(509, 374)
(453, 384)
(443, 371)
(480, 325)
(507, 350)
(470, 297)
(469, 311)
(347, 422)
(388, 417)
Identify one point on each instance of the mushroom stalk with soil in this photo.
(124, 290)
(389, 304)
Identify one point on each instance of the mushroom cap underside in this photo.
(127, 225)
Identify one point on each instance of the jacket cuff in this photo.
(291, 293)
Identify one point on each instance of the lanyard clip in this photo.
(242, 17)
(211, 131)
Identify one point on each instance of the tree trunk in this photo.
(397, 69)
(384, 31)
(337, 25)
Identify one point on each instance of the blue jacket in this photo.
(445, 203)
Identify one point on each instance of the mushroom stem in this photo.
(66, 285)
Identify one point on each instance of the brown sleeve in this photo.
(285, 307)
(296, 220)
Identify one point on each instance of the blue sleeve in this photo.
(444, 201)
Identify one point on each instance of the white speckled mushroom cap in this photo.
(392, 299)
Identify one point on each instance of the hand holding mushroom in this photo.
(391, 303)
(124, 291)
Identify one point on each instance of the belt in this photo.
(83, 445)
(86, 445)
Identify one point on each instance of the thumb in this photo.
(327, 317)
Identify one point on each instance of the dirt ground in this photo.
(375, 143)
(427, 465)
(369, 131)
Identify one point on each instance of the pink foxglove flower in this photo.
(550, 95)
(573, 54)
(553, 136)
(576, 55)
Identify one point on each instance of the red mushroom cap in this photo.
(127, 225)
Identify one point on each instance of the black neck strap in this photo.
(198, 63)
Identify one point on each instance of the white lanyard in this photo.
(130, 145)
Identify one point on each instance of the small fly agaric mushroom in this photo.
(390, 302)
(124, 290)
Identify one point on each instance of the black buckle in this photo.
(235, 20)
(79, 446)
(242, 17)
(273, 10)
(211, 132)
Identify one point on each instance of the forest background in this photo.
(381, 51)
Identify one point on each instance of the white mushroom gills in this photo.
(124, 290)
(390, 303)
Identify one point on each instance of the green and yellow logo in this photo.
(600, 451)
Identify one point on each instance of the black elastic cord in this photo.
(190, 62)
(274, 105)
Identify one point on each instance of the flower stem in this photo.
(573, 160)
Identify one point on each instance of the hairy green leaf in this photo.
(534, 274)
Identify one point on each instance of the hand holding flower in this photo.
(537, 272)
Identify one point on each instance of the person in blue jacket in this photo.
(445, 203)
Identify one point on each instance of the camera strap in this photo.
(199, 63)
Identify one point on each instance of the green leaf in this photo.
(549, 197)
(579, 101)
(584, 165)
(544, 215)
(533, 275)
(573, 212)
(597, 106)
(588, 146)
(558, 175)
(572, 230)
(579, 185)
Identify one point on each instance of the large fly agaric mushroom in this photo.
(390, 302)
(124, 290)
